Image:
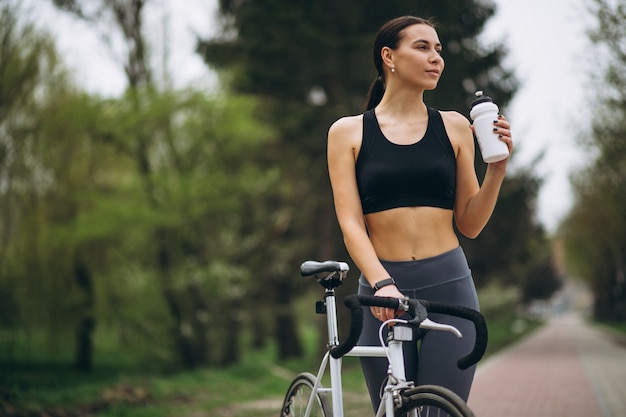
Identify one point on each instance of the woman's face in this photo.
(417, 59)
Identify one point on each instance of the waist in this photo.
(411, 233)
(436, 270)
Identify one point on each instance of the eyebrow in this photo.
(425, 41)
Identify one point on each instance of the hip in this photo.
(445, 277)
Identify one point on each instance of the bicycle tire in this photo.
(297, 397)
(433, 400)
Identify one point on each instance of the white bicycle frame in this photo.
(393, 352)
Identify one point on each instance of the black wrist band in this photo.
(389, 281)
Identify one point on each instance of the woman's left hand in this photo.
(503, 128)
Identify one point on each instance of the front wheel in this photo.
(298, 395)
(432, 400)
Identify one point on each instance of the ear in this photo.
(386, 54)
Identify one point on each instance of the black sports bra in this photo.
(420, 174)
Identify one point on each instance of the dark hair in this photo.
(388, 36)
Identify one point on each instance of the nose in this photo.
(436, 57)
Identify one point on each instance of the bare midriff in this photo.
(411, 233)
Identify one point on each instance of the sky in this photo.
(548, 50)
(547, 42)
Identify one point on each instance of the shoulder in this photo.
(346, 124)
(454, 119)
(348, 129)
(458, 129)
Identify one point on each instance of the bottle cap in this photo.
(480, 98)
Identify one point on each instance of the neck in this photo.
(405, 102)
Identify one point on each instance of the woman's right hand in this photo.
(384, 314)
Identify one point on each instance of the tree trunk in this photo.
(83, 356)
(199, 318)
(182, 332)
(84, 344)
(259, 333)
(286, 333)
(232, 335)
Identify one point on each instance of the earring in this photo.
(393, 69)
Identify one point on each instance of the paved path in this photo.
(566, 369)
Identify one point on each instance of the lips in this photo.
(434, 72)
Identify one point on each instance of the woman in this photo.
(401, 173)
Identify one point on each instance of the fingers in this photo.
(502, 124)
(383, 314)
(503, 128)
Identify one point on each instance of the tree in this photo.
(595, 229)
(52, 169)
(129, 217)
(150, 126)
(33, 85)
(28, 61)
(310, 63)
(194, 224)
(127, 15)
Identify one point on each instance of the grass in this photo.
(615, 328)
(253, 388)
(505, 325)
(619, 327)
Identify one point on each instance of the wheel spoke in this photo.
(298, 396)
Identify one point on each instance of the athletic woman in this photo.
(401, 174)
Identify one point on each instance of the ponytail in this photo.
(377, 89)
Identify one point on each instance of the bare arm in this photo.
(475, 203)
(344, 139)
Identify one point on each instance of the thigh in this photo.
(439, 351)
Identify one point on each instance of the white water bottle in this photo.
(483, 113)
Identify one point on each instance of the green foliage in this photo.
(123, 216)
(30, 77)
(498, 304)
(595, 230)
(261, 382)
(284, 53)
(617, 328)
(525, 261)
(163, 229)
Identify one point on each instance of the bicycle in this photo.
(306, 397)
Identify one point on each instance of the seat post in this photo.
(335, 364)
(331, 317)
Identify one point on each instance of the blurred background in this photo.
(163, 175)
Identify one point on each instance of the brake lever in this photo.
(431, 325)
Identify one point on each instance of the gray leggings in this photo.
(445, 278)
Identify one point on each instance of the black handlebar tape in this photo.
(416, 311)
(356, 323)
(354, 303)
(373, 301)
(466, 313)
